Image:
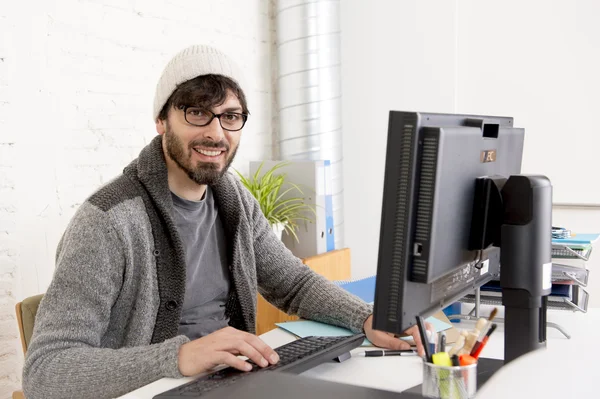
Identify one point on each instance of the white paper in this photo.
(321, 181)
(485, 267)
(547, 276)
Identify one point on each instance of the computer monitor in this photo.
(432, 162)
(452, 198)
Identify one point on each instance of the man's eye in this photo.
(195, 112)
(232, 117)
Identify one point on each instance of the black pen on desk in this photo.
(382, 353)
(424, 340)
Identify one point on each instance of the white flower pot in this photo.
(278, 229)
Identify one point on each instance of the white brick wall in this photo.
(77, 79)
(10, 358)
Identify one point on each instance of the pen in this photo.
(478, 347)
(442, 342)
(455, 361)
(424, 340)
(381, 353)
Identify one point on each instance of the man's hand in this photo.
(387, 340)
(221, 347)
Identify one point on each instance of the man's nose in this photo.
(214, 130)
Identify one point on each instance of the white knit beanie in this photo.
(192, 62)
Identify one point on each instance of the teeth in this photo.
(208, 153)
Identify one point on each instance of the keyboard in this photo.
(295, 357)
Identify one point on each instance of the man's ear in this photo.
(161, 127)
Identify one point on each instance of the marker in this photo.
(382, 353)
(478, 347)
(441, 359)
(424, 340)
(466, 360)
(455, 361)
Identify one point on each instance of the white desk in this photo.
(555, 372)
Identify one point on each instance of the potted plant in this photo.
(276, 197)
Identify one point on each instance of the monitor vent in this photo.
(419, 266)
(400, 222)
(425, 204)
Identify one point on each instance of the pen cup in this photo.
(458, 382)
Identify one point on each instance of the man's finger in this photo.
(233, 361)
(429, 327)
(430, 331)
(391, 342)
(416, 336)
(265, 350)
(251, 353)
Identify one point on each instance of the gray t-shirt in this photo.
(207, 273)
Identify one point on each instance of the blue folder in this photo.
(363, 288)
(579, 239)
(563, 290)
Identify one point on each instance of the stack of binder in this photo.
(569, 271)
(569, 278)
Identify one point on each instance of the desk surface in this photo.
(562, 368)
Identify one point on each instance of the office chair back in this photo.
(26, 312)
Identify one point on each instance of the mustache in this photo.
(210, 144)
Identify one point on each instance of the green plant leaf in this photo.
(270, 190)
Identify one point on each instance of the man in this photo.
(158, 271)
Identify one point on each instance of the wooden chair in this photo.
(333, 265)
(26, 311)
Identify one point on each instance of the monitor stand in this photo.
(525, 262)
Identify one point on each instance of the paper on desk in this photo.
(305, 328)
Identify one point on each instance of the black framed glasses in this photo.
(231, 121)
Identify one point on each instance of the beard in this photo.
(202, 173)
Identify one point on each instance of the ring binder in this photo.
(569, 278)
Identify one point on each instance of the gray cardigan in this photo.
(108, 322)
